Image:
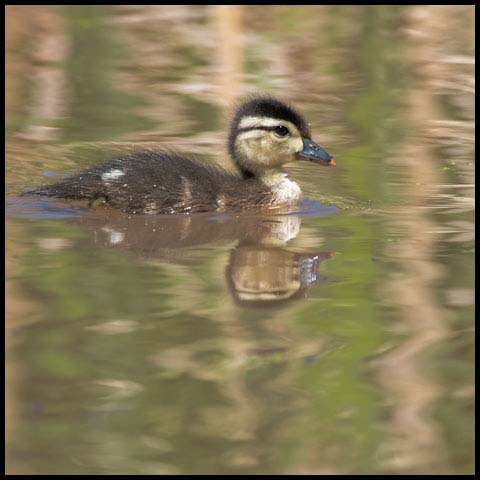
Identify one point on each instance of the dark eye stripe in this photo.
(248, 129)
(260, 127)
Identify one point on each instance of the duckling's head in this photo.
(266, 134)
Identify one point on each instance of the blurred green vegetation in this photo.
(100, 109)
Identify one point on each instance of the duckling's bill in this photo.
(315, 153)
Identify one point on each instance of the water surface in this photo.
(336, 338)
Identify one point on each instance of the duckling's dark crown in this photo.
(266, 107)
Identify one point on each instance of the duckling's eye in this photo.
(281, 131)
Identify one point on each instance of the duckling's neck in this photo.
(286, 191)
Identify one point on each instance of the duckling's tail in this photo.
(71, 188)
(45, 190)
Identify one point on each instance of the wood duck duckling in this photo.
(265, 134)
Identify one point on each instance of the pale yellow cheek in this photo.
(268, 151)
(258, 150)
(290, 147)
(297, 144)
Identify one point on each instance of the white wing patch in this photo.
(114, 237)
(112, 175)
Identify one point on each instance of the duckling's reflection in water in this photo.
(262, 276)
(263, 270)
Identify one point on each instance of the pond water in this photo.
(334, 338)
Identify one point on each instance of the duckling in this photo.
(265, 134)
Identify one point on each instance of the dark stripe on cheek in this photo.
(248, 129)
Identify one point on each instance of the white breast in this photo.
(287, 191)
